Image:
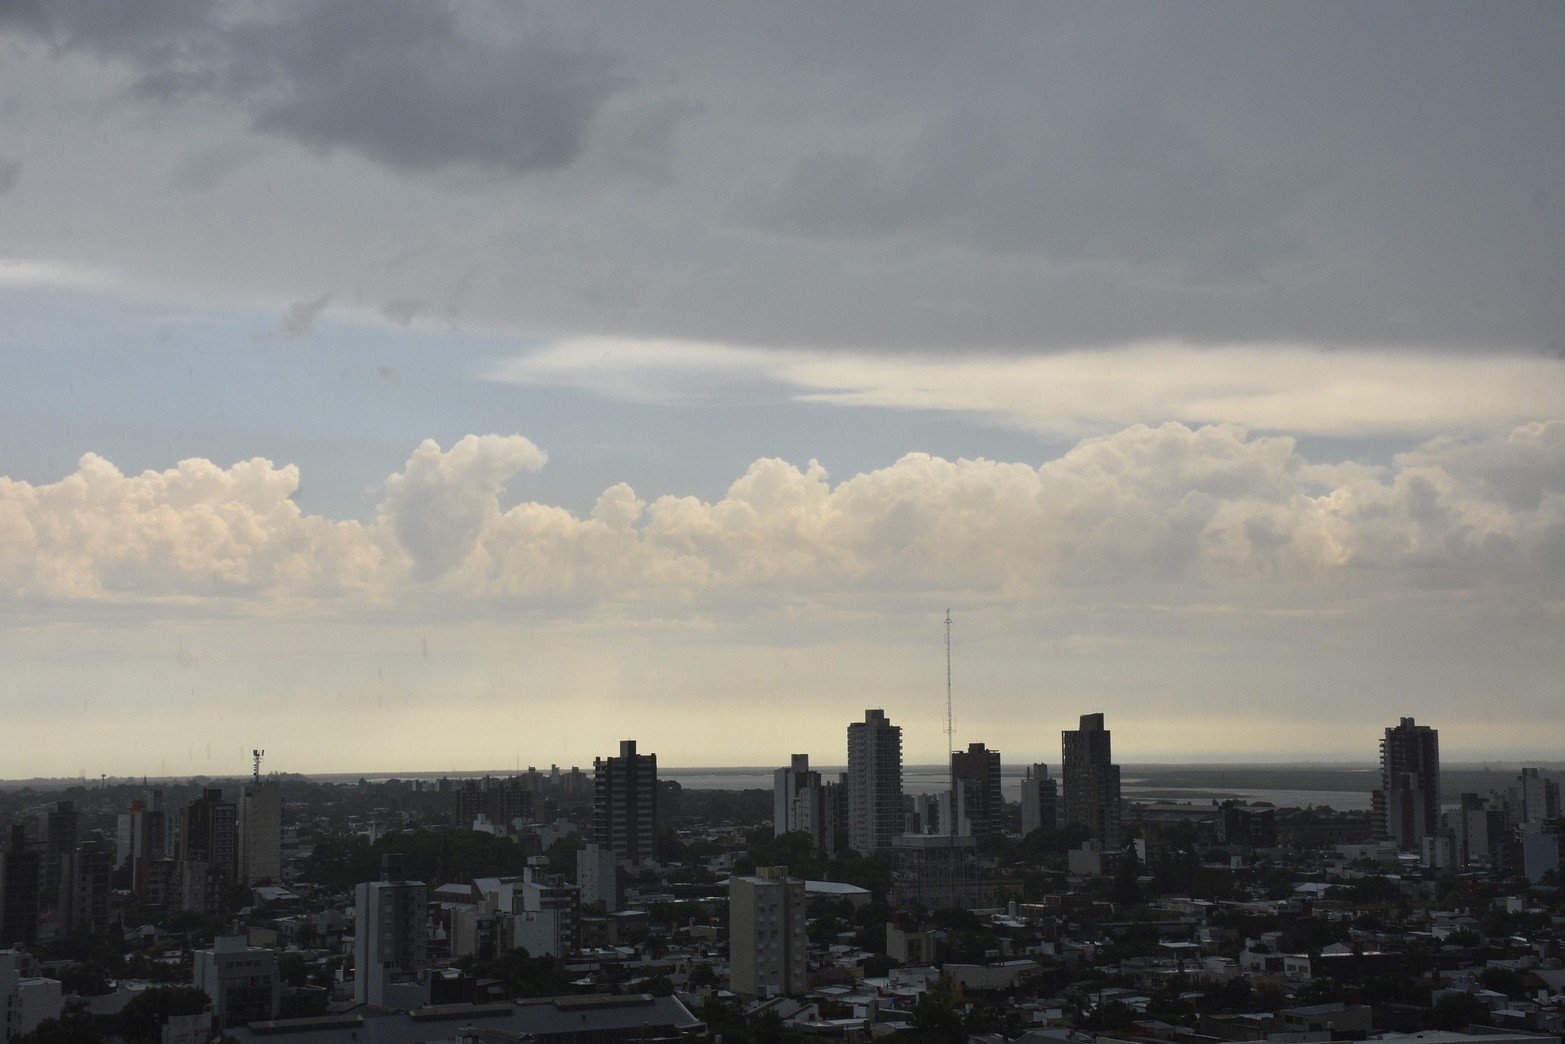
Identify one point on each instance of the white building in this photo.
(391, 944)
(242, 981)
(804, 801)
(597, 877)
(1040, 799)
(544, 914)
(25, 1001)
(766, 939)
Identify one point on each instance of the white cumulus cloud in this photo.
(1211, 512)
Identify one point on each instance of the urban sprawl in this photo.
(572, 907)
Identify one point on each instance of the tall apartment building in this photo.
(144, 841)
(1040, 799)
(1406, 808)
(874, 782)
(1091, 781)
(261, 831)
(804, 801)
(1537, 798)
(21, 877)
(766, 939)
(598, 877)
(86, 884)
(624, 804)
(391, 944)
(980, 807)
(62, 826)
(208, 852)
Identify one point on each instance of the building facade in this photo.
(874, 782)
(766, 938)
(1040, 799)
(624, 804)
(1406, 808)
(1091, 781)
(804, 801)
(980, 807)
(391, 944)
(261, 832)
(242, 980)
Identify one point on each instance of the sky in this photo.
(434, 386)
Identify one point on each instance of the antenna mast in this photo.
(257, 754)
(950, 727)
(950, 828)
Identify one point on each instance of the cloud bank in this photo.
(1211, 510)
(1279, 388)
(879, 176)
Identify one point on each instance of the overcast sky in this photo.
(422, 386)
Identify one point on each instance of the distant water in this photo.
(1345, 787)
(931, 779)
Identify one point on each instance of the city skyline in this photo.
(432, 397)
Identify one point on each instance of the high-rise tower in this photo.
(1091, 781)
(874, 782)
(805, 801)
(624, 804)
(766, 939)
(1406, 808)
(979, 805)
(1040, 798)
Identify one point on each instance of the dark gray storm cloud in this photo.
(412, 85)
(1002, 177)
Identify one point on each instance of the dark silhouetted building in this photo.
(980, 807)
(21, 876)
(624, 804)
(1091, 781)
(1406, 808)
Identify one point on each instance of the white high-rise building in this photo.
(391, 944)
(597, 877)
(1040, 799)
(1538, 797)
(874, 782)
(766, 938)
(805, 802)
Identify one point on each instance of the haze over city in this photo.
(444, 386)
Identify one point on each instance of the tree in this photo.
(74, 1026)
(1456, 1011)
(141, 1021)
(1127, 886)
(1503, 980)
(525, 976)
(935, 1019)
(562, 855)
(879, 965)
